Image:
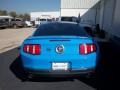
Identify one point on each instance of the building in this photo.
(110, 16)
(87, 9)
(36, 15)
(103, 12)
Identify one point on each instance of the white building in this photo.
(36, 15)
(106, 13)
(86, 8)
(110, 16)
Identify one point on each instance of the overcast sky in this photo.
(22, 6)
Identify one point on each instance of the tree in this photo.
(3, 12)
(26, 16)
(20, 16)
(13, 14)
(0, 12)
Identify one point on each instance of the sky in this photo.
(27, 6)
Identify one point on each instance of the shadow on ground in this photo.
(106, 72)
(17, 69)
(108, 67)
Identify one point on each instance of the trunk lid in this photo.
(59, 45)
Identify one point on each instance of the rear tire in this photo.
(91, 76)
(28, 77)
(25, 26)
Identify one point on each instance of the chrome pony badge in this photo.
(60, 49)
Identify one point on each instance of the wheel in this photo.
(25, 26)
(30, 76)
(91, 76)
(27, 77)
(15, 26)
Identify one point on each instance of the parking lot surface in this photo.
(10, 38)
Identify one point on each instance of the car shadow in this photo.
(108, 66)
(17, 69)
(88, 80)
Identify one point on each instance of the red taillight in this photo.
(37, 49)
(87, 48)
(32, 48)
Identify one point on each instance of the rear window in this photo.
(61, 29)
(70, 19)
(2, 20)
(42, 19)
(18, 20)
(66, 19)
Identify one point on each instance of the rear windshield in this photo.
(42, 19)
(61, 29)
(70, 19)
(66, 19)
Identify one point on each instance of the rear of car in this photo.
(17, 23)
(59, 49)
(28, 23)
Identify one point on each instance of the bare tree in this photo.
(20, 16)
(13, 14)
(3, 12)
(26, 16)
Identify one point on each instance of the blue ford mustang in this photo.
(59, 49)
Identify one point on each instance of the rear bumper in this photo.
(69, 73)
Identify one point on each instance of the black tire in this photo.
(91, 76)
(3, 28)
(27, 77)
(25, 26)
(14, 26)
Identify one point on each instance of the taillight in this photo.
(32, 49)
(87, 48)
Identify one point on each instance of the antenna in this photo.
(79, 18)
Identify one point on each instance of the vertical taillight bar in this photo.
(34, 49)
(37, 49)
(87, 48)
